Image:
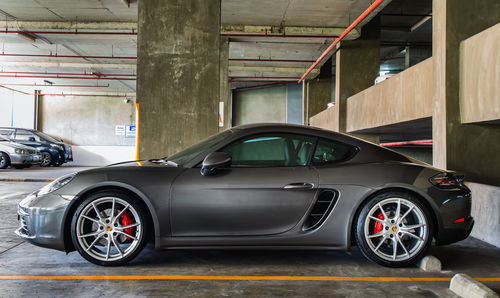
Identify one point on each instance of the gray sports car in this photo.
(266, 186)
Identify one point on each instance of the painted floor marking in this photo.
(208, 277)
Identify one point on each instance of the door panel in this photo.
(241, 201)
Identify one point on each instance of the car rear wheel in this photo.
(109, 228)
(4, 160)
(394, 229)
(46, 159)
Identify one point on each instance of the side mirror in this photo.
(213, 161)
(31, 139)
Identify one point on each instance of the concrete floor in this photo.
(22, 259)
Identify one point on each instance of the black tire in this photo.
(46, 159)
(4, 160)
(141, 213)
(395, 229)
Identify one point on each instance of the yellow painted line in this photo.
(204, 277)
(13, 180)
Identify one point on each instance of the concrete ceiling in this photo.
(312, 18)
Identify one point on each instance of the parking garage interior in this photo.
(122, 80)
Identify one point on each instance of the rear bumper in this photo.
(25, 159)
(460, 232)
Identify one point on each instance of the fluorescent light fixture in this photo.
(27, 36)
(420, 23)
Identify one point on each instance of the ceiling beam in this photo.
(263, 30)
(284, 31)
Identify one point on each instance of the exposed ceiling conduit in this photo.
(332, 46)
(68, 77)
(57, 85)
(67, 56)
(405, 143)
(68, 74)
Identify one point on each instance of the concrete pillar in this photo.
(225, 85)
(177, 74)
(357, 67)
(468, 148)
(319, 91)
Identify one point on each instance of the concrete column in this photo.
(468, 148)
(177, 74)
(225, 84)
(357, 66)
(320, 91)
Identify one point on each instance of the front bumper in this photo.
(25, 159)
(41, 220)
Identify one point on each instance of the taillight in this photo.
(447, 180)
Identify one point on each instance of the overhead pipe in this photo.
(69, 74)
(405, 143)
(336, 41)
(68, 56)
(57, 85)
(67, 77)
(68, 94)
(277, 35)
(269, 60)
(240, 77)
(67, 32)
(263, 81)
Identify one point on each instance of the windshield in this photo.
(46, 137)
(189, 153)
(4, 139)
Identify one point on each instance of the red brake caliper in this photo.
(127, 220)
(378, 225)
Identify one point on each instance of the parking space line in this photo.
(258, 278)
(24, 180)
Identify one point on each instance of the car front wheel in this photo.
(394, 229)
(4, 160)
(46, 159)
(109, 228)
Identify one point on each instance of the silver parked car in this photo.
(17, 155)
(268, 186)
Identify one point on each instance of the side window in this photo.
(24, 135)
(271, 150)
(8, 133)
(328, 151)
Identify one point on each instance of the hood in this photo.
(145, 163)
(18, 146)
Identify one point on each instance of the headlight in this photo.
(55, 185)
(60, 147)
(21, 151)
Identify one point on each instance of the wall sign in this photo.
(119, 130)
(131, 131)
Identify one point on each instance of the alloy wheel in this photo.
(109, 229)
(395, 229)
(46, 160)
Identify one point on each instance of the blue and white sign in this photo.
(131, 131)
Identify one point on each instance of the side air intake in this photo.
(322, 207)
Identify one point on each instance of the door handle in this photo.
(300, 185)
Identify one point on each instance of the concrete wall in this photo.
(480, 77)
(326, 120)
(16, 109)
(86, 121)
(259, 105)
(404, 97)
(486, 212)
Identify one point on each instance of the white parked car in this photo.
(17, 155)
